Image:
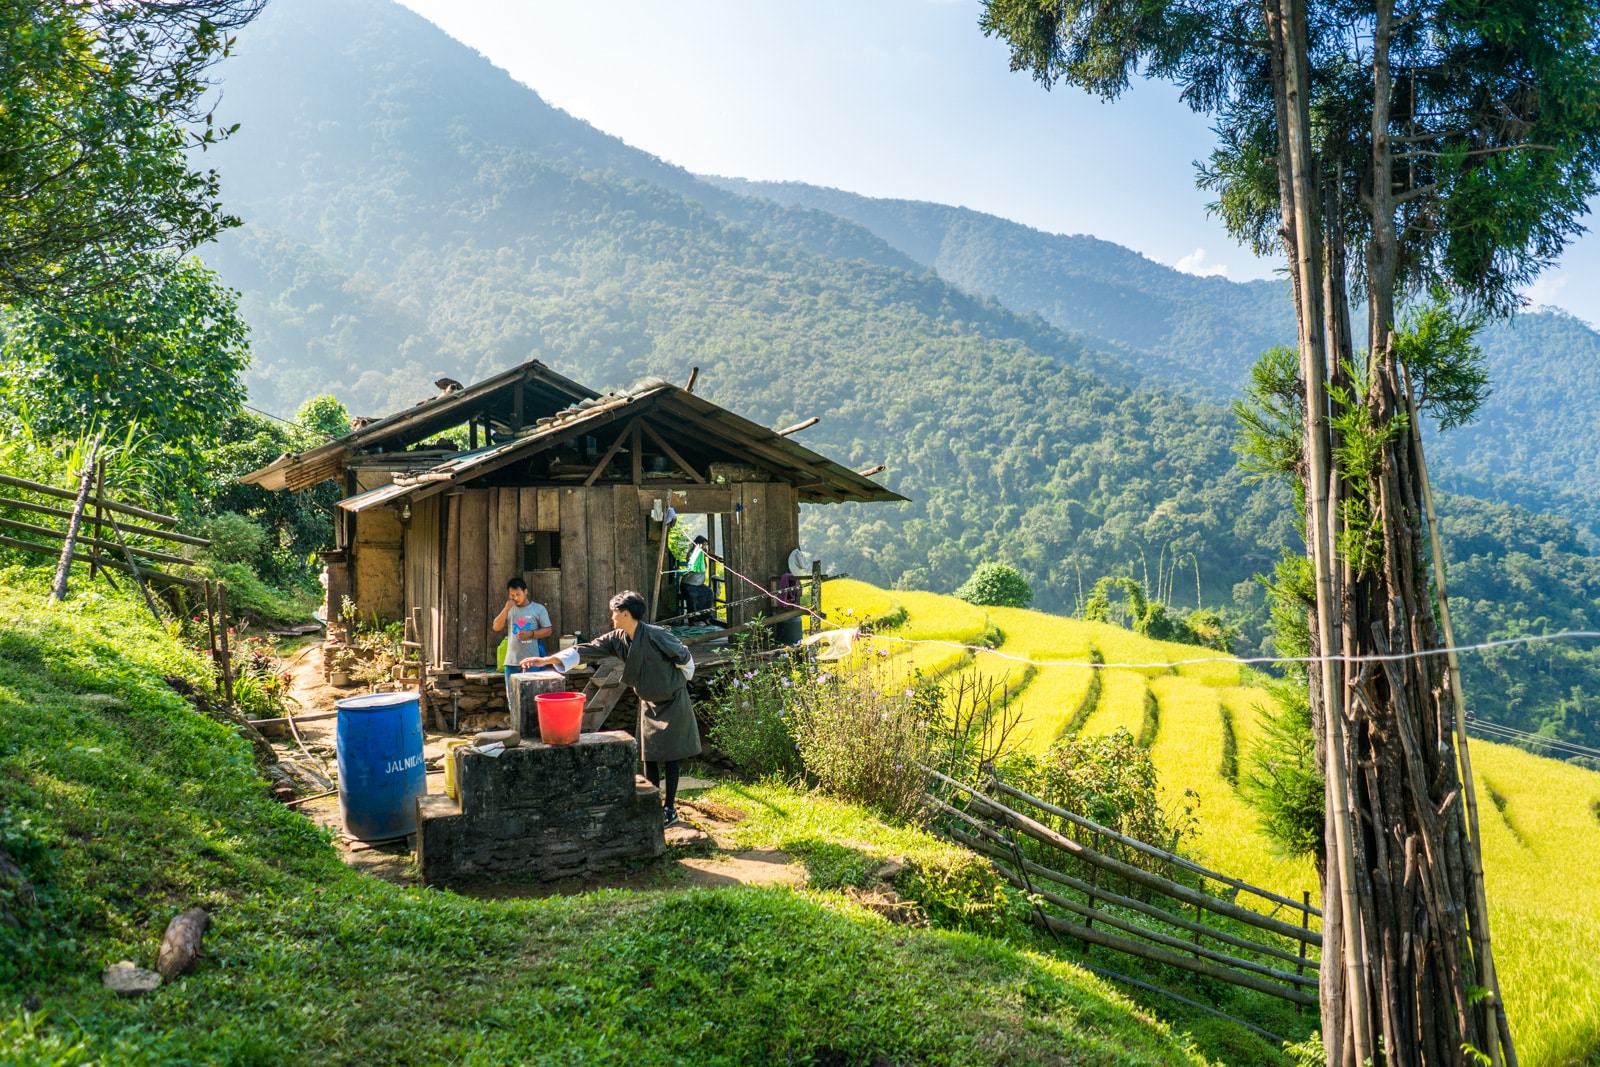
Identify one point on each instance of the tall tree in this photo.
(100, 105)
(158, 361)
(1453, 146)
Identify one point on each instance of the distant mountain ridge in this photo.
(1537, 443)
(1195, 332)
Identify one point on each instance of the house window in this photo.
(541, 550)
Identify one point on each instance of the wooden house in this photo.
(563, 486)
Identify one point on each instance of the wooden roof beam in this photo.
(672, 454)
(605, 460)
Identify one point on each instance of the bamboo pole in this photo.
(1176, 890)
(1157, 954)
(1495, 1036)
(1313, 361)
(92, 542)
(58, 588)
(1154, 911)
(133, 567)
(67, 494)
(99, 509)
(1195, 949)
(211, 630)
(85, 557)
(1151, 850)
(661, 564)
(128, 528)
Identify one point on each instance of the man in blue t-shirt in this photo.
(528, 621)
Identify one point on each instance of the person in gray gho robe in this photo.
(657, 667)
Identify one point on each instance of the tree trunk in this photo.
(1403, 933)
(1345, 1004)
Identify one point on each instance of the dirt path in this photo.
(700, 850)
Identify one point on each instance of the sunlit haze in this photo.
(890, 98)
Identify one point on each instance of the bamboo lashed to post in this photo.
(1300, 208)
(1497, 1028)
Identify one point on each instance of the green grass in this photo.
(147, 807)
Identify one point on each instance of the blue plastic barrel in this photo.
(381, 773)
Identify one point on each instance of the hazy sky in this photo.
(895, 98)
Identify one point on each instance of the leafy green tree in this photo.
(1443, 146)
(102, 104)
(161, 360)
(298, 524)
(996, 585)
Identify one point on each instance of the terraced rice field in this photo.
(1540, 817)
(1045, 708)
(1541, 846)
(1121, 704)
(1188, 752)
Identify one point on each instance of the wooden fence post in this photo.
(99, 512)
(816, 595)
(1094, 881)
(211, 625)
(58, 590)
(222, 632)
(1305, 924)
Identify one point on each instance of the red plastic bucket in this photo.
(560, 717)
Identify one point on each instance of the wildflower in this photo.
(782, 712)
(850, 611)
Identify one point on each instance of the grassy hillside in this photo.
(123, 805)
(1541, 818)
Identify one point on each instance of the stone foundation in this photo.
(542, 811)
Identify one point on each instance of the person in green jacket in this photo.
(657, 667)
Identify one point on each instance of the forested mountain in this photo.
(411, 211)
(1534, 445)
(1201, 333)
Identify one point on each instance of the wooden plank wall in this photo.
(603, 551)
(760, 534)
(423, 573)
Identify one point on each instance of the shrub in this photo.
(751, 705)
(862, 741)
(1281, 780)
(996, 585)
(1108, 779)
(234, 538)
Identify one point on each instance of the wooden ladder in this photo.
(409, 671)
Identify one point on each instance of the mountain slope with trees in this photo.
(411, 212)
(1201, 335)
